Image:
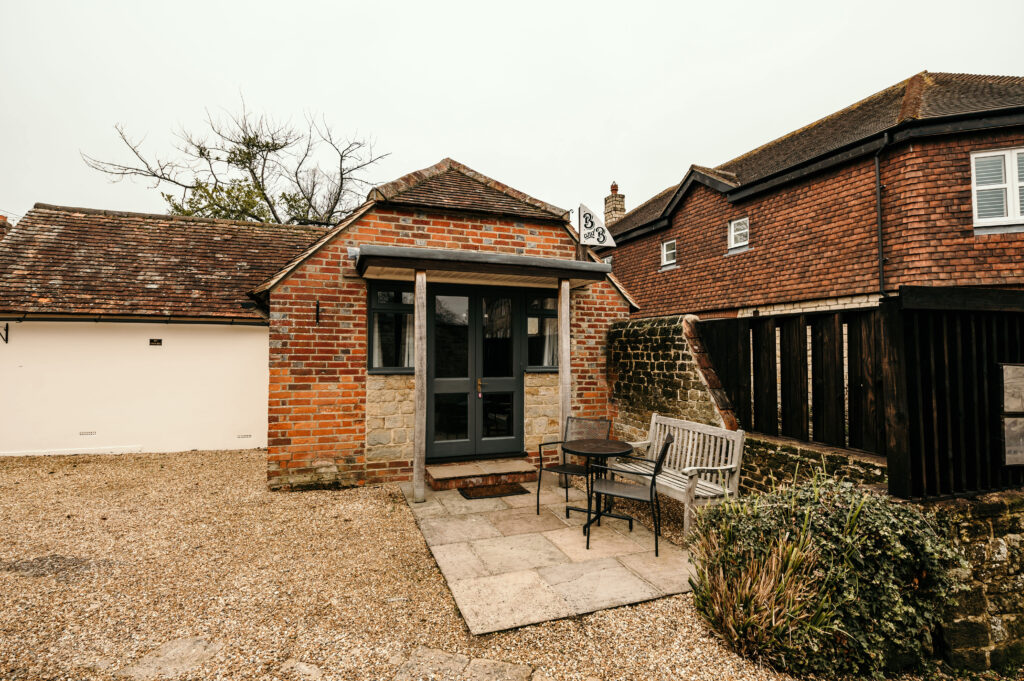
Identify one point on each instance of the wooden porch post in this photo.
(564, 362)
(420, 375)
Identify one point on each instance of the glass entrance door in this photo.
(475, 393)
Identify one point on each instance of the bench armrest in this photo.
(641, 443)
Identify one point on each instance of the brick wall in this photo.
(320, 432)
(816, 239)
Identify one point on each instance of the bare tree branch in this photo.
(251, 167)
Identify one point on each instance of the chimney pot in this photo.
(614, 206)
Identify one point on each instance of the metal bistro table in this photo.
(597, 449)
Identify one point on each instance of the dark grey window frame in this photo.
(533, 311)
(372, 307)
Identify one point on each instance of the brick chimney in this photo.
(614, 206)
(4, 226)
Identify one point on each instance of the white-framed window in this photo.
(997, 187)
(668, 253)
(739, 232)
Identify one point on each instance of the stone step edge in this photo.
(479, 480)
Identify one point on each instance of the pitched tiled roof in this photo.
(921, 97)
(449, 184)
(60, 260)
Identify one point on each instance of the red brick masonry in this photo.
(817, 238)
(318, 371)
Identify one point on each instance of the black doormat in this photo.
(505, 489)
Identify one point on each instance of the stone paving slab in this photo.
(517, 552)
(524, 520)
(428, 663)
(597, 584)
(447, 529)
(507, 601)
(508, 567)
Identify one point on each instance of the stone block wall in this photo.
(653, 368)
(986, 628)
(769, 461)
(390, 422)
(540, 412)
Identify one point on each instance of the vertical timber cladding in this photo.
(954, 398)
(764, 368)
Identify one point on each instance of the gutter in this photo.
(878, 215)
(128, 319)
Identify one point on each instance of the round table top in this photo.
(596, 447)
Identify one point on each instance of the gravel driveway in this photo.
(105, 558)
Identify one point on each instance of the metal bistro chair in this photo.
(609, 487)
(576, 428)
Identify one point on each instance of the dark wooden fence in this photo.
(916, 379)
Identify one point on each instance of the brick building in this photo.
(492, 281)
(919, 184)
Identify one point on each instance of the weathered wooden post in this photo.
(564, 362)
(420, 378)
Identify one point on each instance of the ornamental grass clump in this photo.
(822, 577)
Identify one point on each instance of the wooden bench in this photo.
(702, 467)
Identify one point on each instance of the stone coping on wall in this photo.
(769, 460)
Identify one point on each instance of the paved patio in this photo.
(508, 567)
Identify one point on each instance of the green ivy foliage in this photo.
(833, 579)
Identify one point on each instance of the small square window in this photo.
(668, 253)
(739, 233)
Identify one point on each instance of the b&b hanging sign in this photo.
(592, 229)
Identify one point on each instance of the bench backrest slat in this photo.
(697, 444)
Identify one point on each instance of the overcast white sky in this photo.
(556, 99)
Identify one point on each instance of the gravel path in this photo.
(105, 558)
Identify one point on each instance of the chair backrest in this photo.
(577, 428)
(697, 444)
(659, 463)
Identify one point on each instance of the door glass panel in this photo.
(497, 349)
(451, 417)
(497, 414)
(451, 332)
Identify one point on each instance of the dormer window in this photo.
(668, 253)
(739, 233)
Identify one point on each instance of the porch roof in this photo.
(456, 266)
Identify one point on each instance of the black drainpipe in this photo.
(878, 212)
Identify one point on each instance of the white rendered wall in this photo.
(82, 387)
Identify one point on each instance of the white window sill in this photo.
(667, 268)
(735, 250)
(1014, 228)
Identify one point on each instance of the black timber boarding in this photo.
(917, 380)
(791, 375)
